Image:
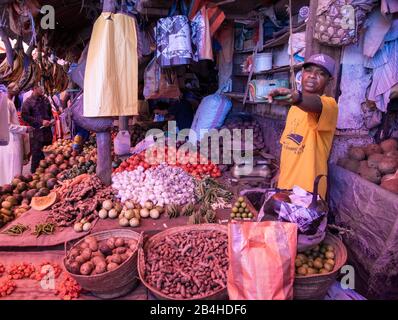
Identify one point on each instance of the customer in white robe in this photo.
(11, 155)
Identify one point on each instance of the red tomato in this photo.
(146, 165)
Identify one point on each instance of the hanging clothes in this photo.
(385, 69)
(389, 6)
(11, 156)
(226, 39)
(4, 132)
(111, 75)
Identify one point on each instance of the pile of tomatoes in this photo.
(193, 163)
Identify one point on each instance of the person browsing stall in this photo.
(310, 126)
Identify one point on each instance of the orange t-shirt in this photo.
(306, 143)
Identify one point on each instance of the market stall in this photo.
(150, 196)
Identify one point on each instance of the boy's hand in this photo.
(282, 92)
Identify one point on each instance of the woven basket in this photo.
(115, 283)
(315, 287)
(219, 295)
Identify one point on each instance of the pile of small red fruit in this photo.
(195, 164)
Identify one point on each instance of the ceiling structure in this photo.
(74, 18)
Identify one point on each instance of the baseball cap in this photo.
(321, 60)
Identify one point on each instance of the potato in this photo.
(390, 185)
(86, 254)
(92, 243)
(73, 267)
(374, 159)
(116, 258)
(372, 175)
(119, 242)
(86, 268)
(105, 249)
(111, 266)
(80, 259)
(372, 149)
(389, 145)
(74, 252)
(129, 252)
(100, 267)
(97, 254)
(111, 243)
(349, 164)
(322, 271)
(96, 260)
(84, 245)
(388, 165)
(356, 153)
(121, 250)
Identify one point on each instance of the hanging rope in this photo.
(292, 75)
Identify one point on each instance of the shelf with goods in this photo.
(272, 71)
(241, 79)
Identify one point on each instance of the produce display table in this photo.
(31, 289)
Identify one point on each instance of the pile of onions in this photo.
(162, 185)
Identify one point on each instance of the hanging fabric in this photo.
(111, 76)
(4, 131)
(201, 37)
(225, 37)
(173, 37)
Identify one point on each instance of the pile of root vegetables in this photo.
(377, 163)
(81, 200)
(188, 265)
(93, 257)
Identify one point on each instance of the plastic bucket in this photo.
(263, 62)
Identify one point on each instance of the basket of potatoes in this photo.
(105, 263)
(317, 269)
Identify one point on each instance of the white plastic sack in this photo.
(211, 114)
(122, 143)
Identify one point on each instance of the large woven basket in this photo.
(115, 283)
(315, 287)
(222, 294)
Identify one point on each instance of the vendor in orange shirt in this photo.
(310, 126)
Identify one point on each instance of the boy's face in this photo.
(314, 79)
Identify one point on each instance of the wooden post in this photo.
(104, 158)
(124, 123)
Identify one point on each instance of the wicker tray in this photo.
(219, 295)
(115, 283)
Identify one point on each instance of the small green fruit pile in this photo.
(240, 210)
